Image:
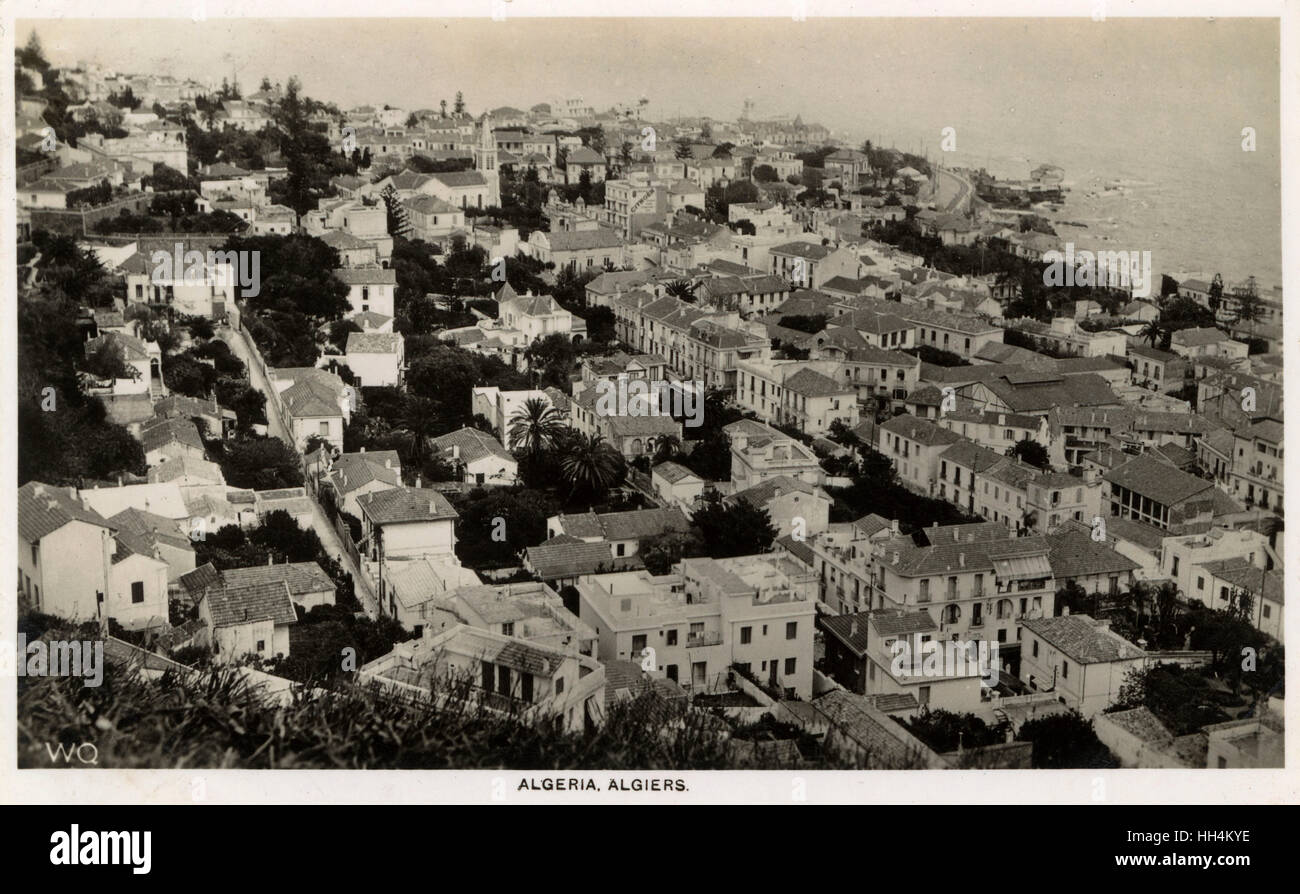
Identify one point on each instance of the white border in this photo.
(778, 787)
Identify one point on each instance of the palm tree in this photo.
(669, 447)
(680, 288)
(534, 427)
(1153, 331)
(421, 420)
(590, 465)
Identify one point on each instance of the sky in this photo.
(900, 79)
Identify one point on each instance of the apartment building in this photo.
(978, 589)
(1079, 659)
(915, 445)
(755, 612)
(793, 394)
(760, 452)
(882, 653)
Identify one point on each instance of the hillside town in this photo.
(787, 445)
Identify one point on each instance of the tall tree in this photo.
(590, 466)
(534, 428)
(734, 529)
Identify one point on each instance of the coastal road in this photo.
(962, 192)
(320, 523)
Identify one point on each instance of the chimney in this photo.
(895, 562)
(418, 479)
(893, 527)
(1065, 611)
(853, 627)
(455, 451)
(388, 464)
(1002, 419)
(956, 534)
(363, 450)
(432, 508)
(72, 492)
(270, 559)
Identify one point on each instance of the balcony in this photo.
(703, 639)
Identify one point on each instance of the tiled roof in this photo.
(167, 431)
(1196, 337)
(151, 529)
(850, 629)
(642, 426)
(798, 548)
(460, 179)
(44, 508)
(673, 472)
(810, 383)
(553, 559)
(580, 240)
(970, 455)
(353, 470)
(405, 504)
(1159, 481)
(373, 342)
(1076, 554)
(885, 744)
(474, 445)
(922, 431)
(299, 577)
(232, 606)
(366, 275)
(762, 493)
(1083, 639)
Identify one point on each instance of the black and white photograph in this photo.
(624, 405)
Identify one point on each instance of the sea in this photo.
(1198, 215)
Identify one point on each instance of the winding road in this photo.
(320, 523)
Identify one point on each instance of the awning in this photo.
(1023, 568)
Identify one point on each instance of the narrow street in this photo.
(329, 537)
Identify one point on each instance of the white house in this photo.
(369, 288)
(1078, 658)
(376, 358)
(53, 525)
(407, 521)
(252, 619)
(478, 457)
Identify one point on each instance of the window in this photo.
(619, 549)
(137, 596)
(791, 629)
(1035, 648)
(1267, 611)
(559, 685)
(1065, 669)
(324, 429)
(638, 643)
(923, 695)
(508, 628)
(746, 635)
(790, 664)
(672, 637)
(925, 591)
(672, 672)
(1200, 583)
(261, 645)
(1174, 570)
(503, 680)
(526, 687)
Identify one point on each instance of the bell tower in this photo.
(485, 160)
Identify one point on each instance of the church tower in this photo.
(485, 160)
